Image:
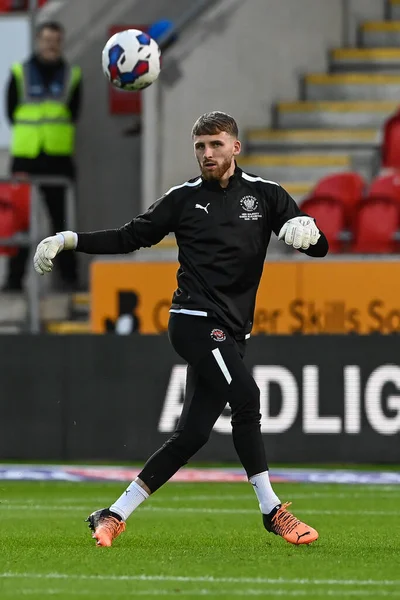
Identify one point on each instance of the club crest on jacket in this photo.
(218, 335)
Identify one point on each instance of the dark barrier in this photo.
(324, 398)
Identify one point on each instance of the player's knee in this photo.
(185, 443)
(247, 407)
(246, 421)
(199, 440)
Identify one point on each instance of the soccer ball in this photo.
(131, 60)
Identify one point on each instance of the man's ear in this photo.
(237, 146)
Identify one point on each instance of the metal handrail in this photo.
(345, 23)
(388, 7)
(31, 238)
(186, 19)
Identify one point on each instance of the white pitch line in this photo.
(213, 498)
(207, 592)
(235, 497)
(222, 497)
(251, 511)
(217, 511)
(204, 579)
(252, 497)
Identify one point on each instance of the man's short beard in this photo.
(218, 172)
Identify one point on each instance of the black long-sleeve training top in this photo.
(222, 236)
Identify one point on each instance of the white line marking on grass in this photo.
(205, 579)
(190, 510)
(207, 592)
(250, 511)
(230, 497)
(252, 497)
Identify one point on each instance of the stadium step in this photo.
(295, 167)
(259, 140)
(365, 59)
(380, 34)
(13, 307)
(54, 307)
(304, 115)
(298, 189)
(309, 166)
(352, 86)
(81, 299)
(80, 305)
(394, 9)
(68, 327)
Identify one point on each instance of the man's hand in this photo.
(50, 247)
(300, 232)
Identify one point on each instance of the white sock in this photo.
(267, 498)
(133, 496)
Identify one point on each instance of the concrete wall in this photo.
(252, 60)
(245, 74)
(358, 11)
(228, 69)
(241, 60)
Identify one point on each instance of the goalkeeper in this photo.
(223, 221)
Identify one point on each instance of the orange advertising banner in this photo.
(294, 297)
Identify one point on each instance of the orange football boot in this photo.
(286, 525)
(105, 526)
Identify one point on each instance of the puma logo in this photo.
(302, 535)
(203, 207)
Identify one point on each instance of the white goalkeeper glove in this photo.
(300, 232)
(50, 247)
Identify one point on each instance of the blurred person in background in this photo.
(43, 104)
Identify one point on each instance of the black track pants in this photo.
(216, 376)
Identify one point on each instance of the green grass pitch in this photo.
(194, 540)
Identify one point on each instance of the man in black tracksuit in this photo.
(223, 222)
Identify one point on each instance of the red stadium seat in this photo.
(391, 142)
(7, 218)
(376, 225)
(386, 185)
(7, 226)
(330, 217)
(21, 196)
(348, 188)
(14, 212)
